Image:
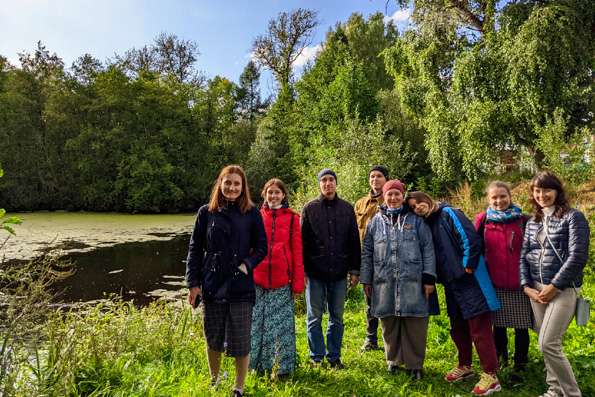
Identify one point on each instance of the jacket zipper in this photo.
(540, 253)
(271, 250)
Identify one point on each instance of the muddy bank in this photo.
(67, 233)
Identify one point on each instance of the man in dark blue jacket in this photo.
(331, 245)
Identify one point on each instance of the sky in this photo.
(223, 29)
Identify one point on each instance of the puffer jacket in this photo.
(570, 237)
(394, 259)
(458, 246)
(221, 241)
(502, 249)
(330, 239)
(283, 263)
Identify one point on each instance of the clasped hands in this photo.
(544, 296)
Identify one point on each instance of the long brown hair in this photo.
(275, 182)
(218, 200)
(548, 180)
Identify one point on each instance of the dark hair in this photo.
(548, 180)
(218, 200)
(420, 197)
(275, 182)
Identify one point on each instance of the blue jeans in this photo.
(319, 296)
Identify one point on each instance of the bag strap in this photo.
(547, 236)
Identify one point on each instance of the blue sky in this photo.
(224, 30)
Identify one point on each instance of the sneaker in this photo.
(550, 393)
(487, 385)
(236, 393)
(336, 364)
(369, 346)
(315, 363)
(458, 373)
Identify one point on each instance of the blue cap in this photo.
(326, 171)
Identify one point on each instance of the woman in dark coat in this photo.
(470, 295)
(227, 243)
(554, 253)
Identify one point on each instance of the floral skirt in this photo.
(273, 331)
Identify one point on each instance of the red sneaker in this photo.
(458, 373)
(487, 385)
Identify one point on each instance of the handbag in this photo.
(582, 311)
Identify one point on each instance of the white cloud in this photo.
(398, 16)
(308, 54)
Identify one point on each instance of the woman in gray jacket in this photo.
(554, 252)
(399, 272)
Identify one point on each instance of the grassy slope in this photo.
(159, 351)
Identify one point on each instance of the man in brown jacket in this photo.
(365, 209)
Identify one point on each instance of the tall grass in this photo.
(116, 349)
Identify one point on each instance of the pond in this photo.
(139, 271)
(138, 257)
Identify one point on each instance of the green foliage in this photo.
(566, 156)
(7, 223)
(464, 88)
(103, 137)
(480, 95)
(351, 150)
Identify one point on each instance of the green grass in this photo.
(119, 350)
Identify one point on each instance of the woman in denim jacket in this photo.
(399, 272)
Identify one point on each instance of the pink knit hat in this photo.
(393, 184)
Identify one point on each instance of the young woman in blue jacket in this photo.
(554, 253)
(228, 241)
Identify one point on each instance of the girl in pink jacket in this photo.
(501, 226)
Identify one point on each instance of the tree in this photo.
(41, 63)
(477, 95)
(248, 92)
(176, 57)
(167, 56)
(85, 68)
(284, 42)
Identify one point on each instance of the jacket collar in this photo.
(323, 199)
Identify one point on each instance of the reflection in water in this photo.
(137, 271)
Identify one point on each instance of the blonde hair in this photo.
(499, 184)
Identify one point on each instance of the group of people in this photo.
(506, 270)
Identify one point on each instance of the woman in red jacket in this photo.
(501, 227)
(278, 278)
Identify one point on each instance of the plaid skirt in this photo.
(227, 327)
(516, 310)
